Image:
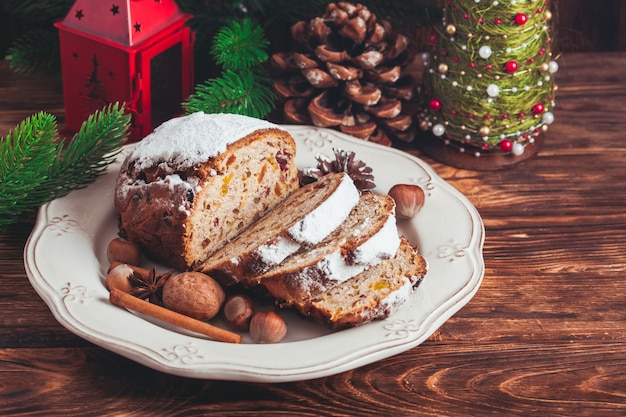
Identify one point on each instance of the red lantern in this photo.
(135, 51)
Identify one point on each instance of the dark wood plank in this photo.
(513, 379)
(544, 335)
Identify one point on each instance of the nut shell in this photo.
(238, 312)
(409, 199)
(193, 294)
(123, 251)
(267, 327)
(119, 278)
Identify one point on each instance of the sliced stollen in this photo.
(199, 180)
(304, 218)
(374, 294)
(368, 236)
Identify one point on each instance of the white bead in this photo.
(438, 130)
(484, 52)
(493, 90)
(553, 67)
(469, 88)
(547, 118)
(518, 149)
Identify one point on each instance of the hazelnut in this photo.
(124, 251)
(409, 199)
(238, 311)
(267, 327)
(193, 294)
(119, 278)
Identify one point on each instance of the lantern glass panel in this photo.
(166, 88)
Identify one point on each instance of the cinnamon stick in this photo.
(125, 300)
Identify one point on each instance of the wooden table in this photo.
(544, 335)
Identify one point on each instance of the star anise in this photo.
(344, 161)
(151, 286)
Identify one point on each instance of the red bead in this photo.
(498, 21)
(472, 65)
(538, 108)
(521, 19)
(453, 112)
(506, 145)
(465, 16)
(511, 66)
(455, 59)
(432, 38)
(435, 104)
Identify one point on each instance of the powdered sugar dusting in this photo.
(396, 299)
(276, 251)
(382, 245)
(326, 217)
(191, 140)
(335, 267)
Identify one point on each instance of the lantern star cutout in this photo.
(137, 27)
(79, 14)
(115, 9)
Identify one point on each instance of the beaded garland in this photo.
(488, 83)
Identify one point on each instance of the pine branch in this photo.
(35, 168)
(240, 45)
(25, 155)
(244, 86)
(247, 93)
(93, 148)
(36, 52)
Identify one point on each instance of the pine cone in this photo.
(346, 72)
(344, 161)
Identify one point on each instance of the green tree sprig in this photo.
(244, 86)
(240, 46)
(36, 166)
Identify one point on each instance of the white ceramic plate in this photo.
(65, 260)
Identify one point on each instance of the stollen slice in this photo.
(303, 219)
(374, 294)
(368, 236)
